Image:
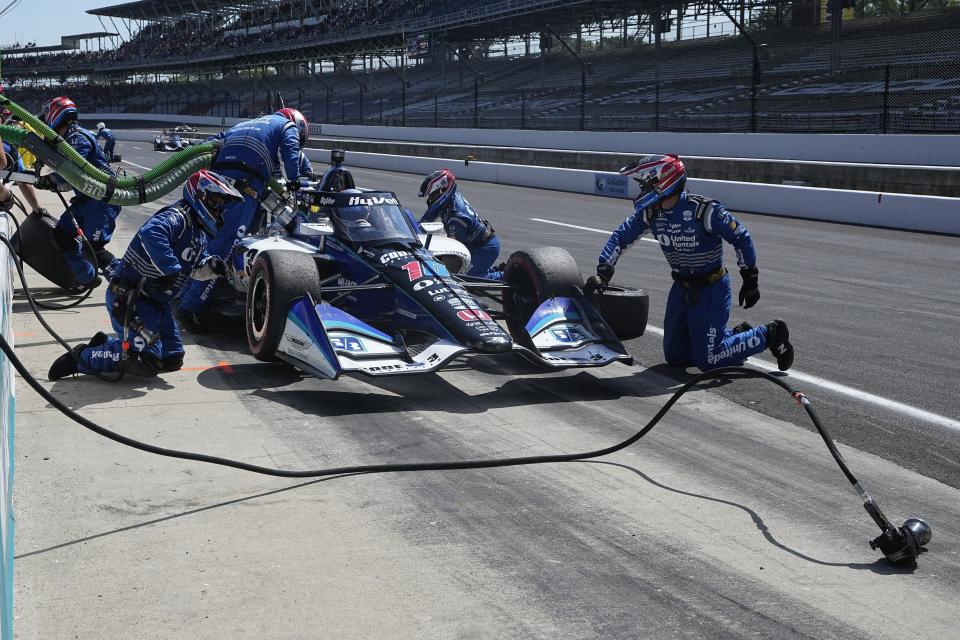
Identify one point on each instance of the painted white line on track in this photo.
(836, 387)
(858, 394)
(576, 226)
(134, 164)
(137, 148)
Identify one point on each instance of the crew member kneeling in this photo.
(168, 250)
(691, 230)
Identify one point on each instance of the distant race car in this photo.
(170, 142)
(354, 287)
(184, 128)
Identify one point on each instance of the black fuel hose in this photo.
(725, 373)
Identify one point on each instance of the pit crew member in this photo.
(691, 230)
(250, 154)
(168, 250)
(461, 223)
(85, 216)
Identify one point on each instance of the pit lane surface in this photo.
(724, 522)
(874, 310)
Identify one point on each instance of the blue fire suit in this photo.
(110, 143)
(462, 223)
(170, 243)
(252, 151)
(96, 219)
(691, 235)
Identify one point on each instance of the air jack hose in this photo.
(54, 151)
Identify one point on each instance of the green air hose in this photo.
(55, 152)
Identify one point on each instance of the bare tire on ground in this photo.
(277, 278)
(625, 310)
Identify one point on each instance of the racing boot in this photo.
(66, 365)
(171, 363)
(190, 321)
(778, 341)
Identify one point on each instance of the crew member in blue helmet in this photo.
(461, 223)
(109, 143)
(85, 216)
(252, 151)
(168, 250)
(691, 230)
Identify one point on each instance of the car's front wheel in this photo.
(277, 278)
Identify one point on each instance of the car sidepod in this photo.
(328, 341)
(567, 331)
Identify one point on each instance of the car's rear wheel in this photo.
(534, 275)
(625, 310)
(277, 278)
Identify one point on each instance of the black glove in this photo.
(166, 282)
(594, 284)
(47, 182)
(750, 290)
(605, 272)
(217, 265)
(293, 185)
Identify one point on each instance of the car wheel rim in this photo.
(259, 308)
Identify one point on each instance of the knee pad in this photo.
(171, 363)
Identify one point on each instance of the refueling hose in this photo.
(54, 151)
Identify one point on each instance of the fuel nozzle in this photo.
(900, 545)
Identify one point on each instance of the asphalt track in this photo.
(729, 521)
(873, 310)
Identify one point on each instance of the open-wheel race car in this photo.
(353, 286)
(170, 142)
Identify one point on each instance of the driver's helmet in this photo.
(101, 126)
(659, 176)
(355, 216)
(337, 179)
(438, 188)
(58, 112)
(208, 194)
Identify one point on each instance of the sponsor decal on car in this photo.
(347, 343)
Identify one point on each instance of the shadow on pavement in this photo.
(880, 566)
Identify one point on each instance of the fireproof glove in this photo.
(605, 272)
(750, 290)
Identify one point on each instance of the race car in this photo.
(184, 128)
(350, 286)
(170, 142)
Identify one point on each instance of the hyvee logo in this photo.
(326, 201)
(356, 200)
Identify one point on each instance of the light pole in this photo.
(476, 84)
(353, 76)
(584, 67)
(403, 88)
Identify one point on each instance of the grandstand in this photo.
(684, 67)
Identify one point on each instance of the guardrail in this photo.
(923, 150)
(7, 402)
(894, 211)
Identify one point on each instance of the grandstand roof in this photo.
(164, 9)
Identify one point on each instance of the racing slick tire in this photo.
(534, 275)
(625, 310)
(277, 278)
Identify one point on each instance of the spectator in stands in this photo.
(462, 223)
(249, 157)
(691, 230)
(110, 141)
(85, 216)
